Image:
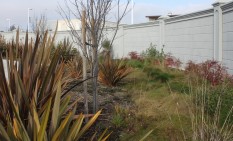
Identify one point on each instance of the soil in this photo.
(108, 97)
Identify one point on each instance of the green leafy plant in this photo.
(157, 74)
(117, 120)
(111, 72)
(106, 50)
(152, 54)
(32, 103)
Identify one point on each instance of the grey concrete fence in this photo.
(198, 36)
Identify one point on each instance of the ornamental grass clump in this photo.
(32, 103)
(74, 68)
(212, 114)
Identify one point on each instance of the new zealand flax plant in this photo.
(111, 72)
(33, 106)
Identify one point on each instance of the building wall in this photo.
(190, 37)
(118, 44)
(228, 36)
(198, 36)
(12, 35)
(139, 37)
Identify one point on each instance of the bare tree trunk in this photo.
(84, 63)
(95, 81)
(95, 67)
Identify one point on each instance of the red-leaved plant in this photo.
(171, 61)
(134, 55)
(211, 70)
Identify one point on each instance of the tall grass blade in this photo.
(88, 125)
(147, 134)
(56, 108)
(44, 121)
(3, 134)
(74, 130)
(61, 127)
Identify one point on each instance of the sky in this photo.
(17, 10)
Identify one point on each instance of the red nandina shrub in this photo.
(134, 55)
(211, 70)
(171, 61)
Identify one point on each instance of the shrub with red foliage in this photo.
(134, 55)
(172, 62)
(211, 70)
(192, 67)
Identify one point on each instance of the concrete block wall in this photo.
(198, 36)
(118, 44)
(190, 37)
(228, 36)
(139, 37)
(12, 35)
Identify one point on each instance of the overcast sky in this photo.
(16, 10)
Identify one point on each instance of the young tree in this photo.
(12, 27)
(39, 25)
(97, 12)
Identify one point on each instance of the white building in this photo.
(63, 25)
(76, 23)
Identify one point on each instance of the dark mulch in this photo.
(108, 97)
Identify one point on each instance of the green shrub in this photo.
(157, 74)
(106, 50)
(152, 53)
(135, 64)
(164, 77)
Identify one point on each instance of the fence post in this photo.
(218, 33)
(161, 33)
